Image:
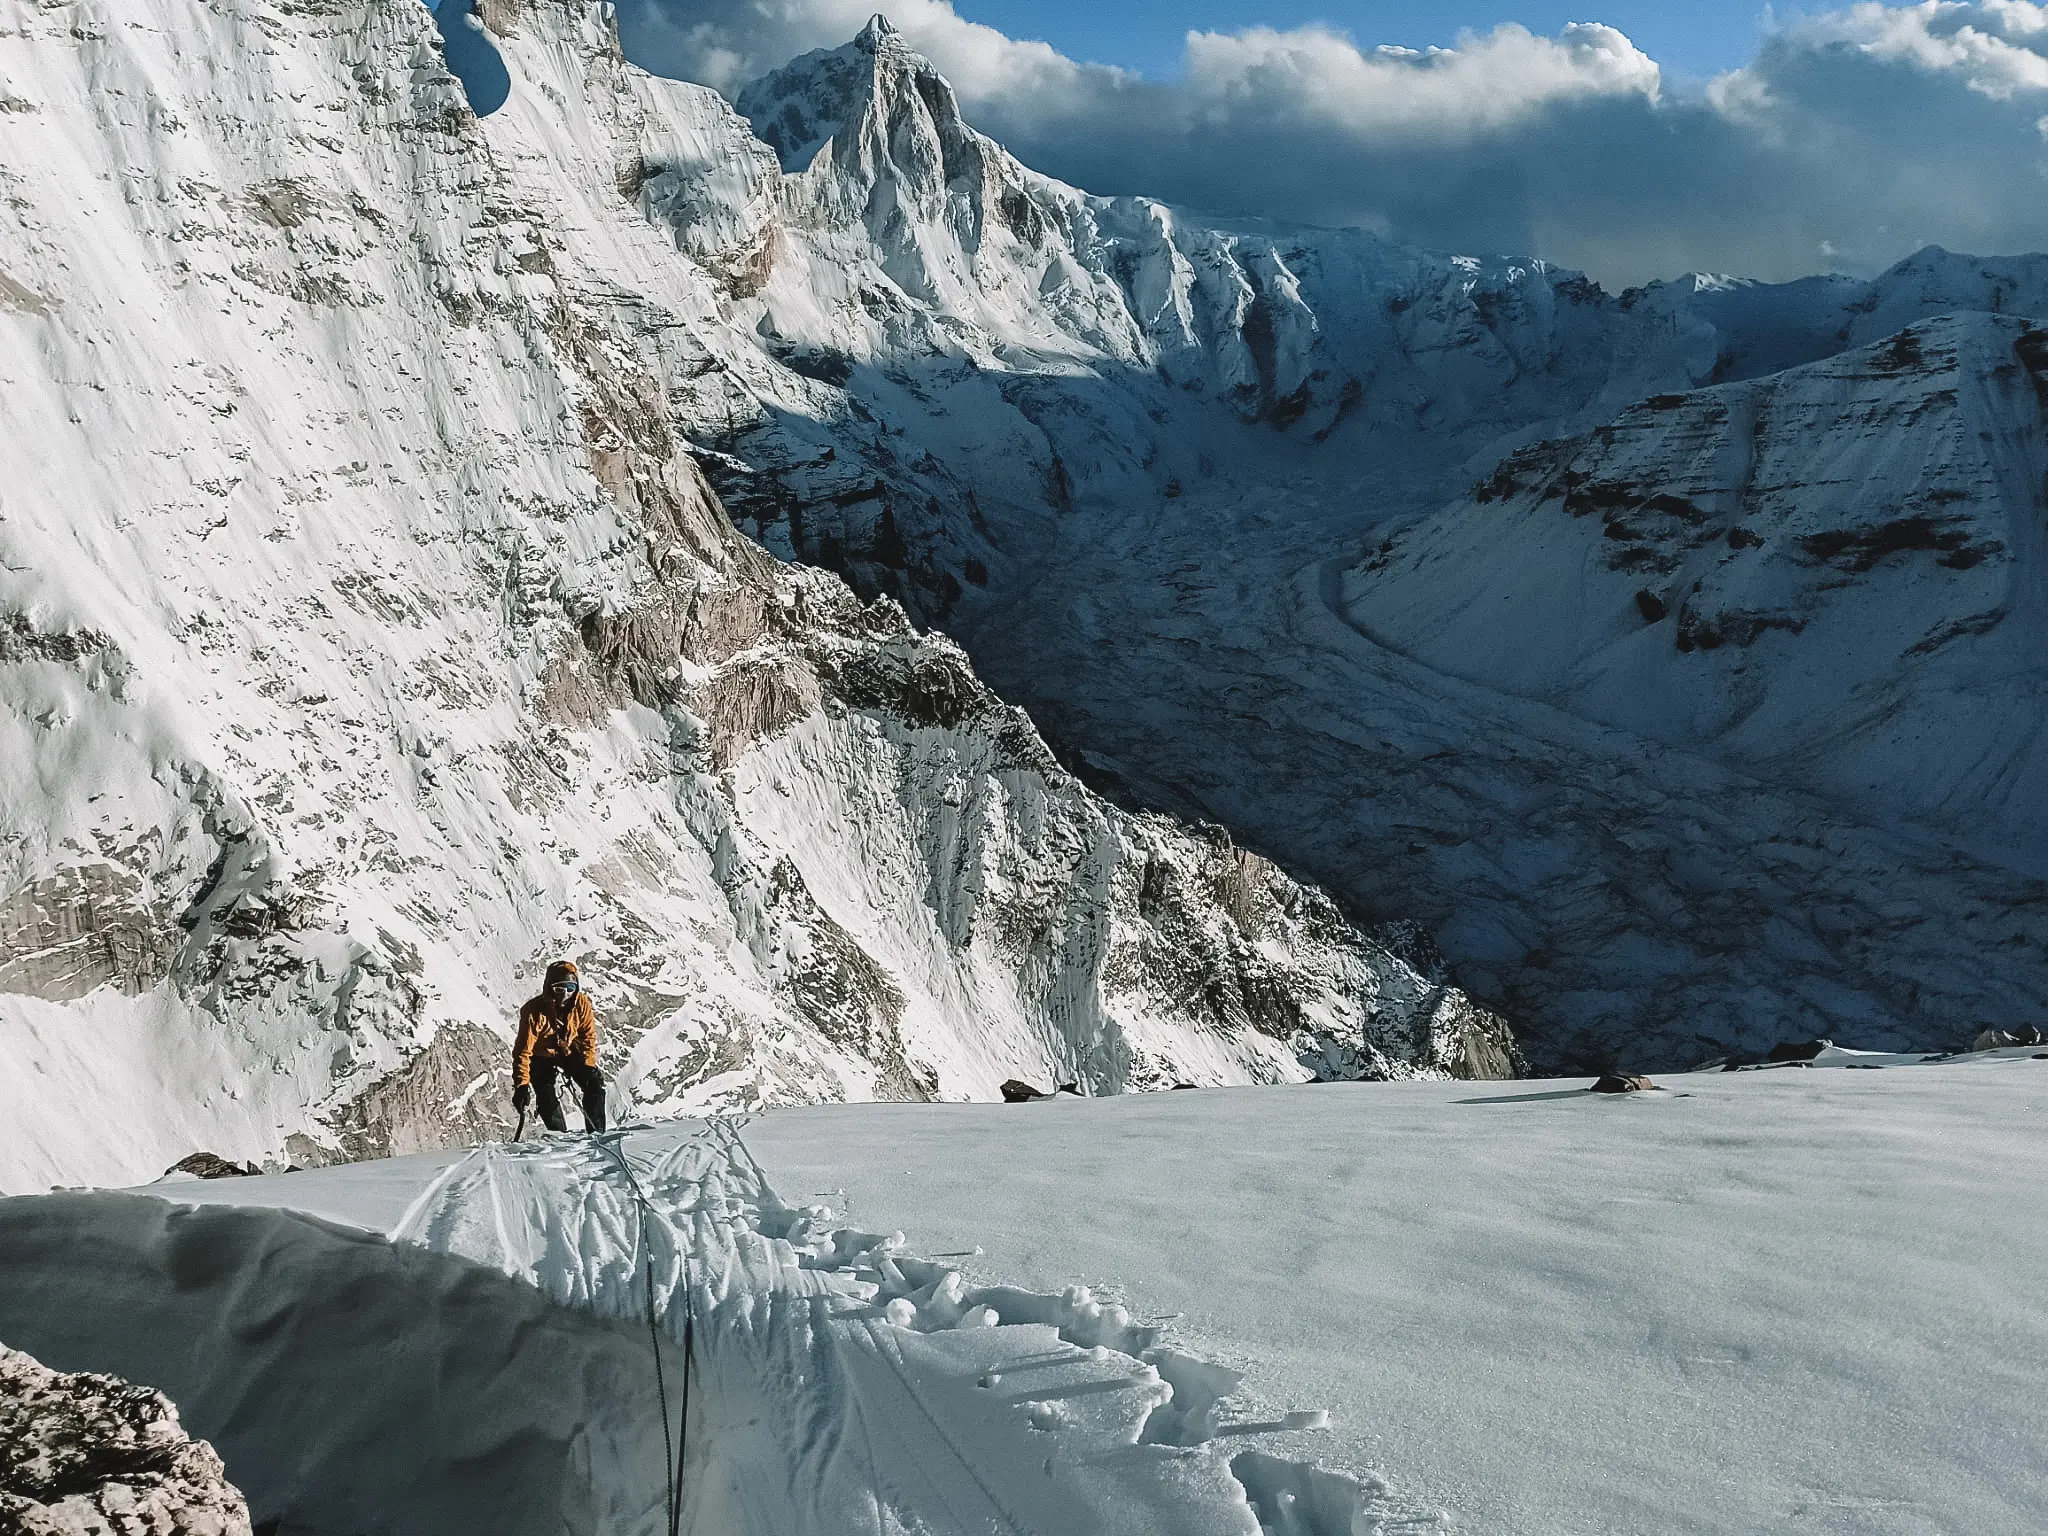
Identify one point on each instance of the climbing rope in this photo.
(675, 1448)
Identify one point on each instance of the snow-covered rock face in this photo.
(961, 350)
(368, 637)
(1832, 573)
(1801, 617)
(86, 1454)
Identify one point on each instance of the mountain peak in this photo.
(827, 94)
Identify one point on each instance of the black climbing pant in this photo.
(589, 1084)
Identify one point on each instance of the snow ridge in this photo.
(845, 1384)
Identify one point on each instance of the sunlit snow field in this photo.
(1783, 1300)
(1791, 1300)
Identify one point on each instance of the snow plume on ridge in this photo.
(368, 636)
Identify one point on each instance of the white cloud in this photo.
(1995, 46)
(1485, 84)
(1861, 132)
(725, 43)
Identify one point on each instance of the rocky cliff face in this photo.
(370, 636)
(85, 1454)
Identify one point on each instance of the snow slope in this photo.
(1792, 1299)
(1835, 576)
(835, 1382)
(368, 636)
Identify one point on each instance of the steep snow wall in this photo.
(368, 636)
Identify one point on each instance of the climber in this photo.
(558, 1033)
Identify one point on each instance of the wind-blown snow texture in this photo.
(1794, 1299)
(837, 1382)
(368, 637)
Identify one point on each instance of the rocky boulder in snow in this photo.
(92, 1455)
(210, 1165)
(1622, 1082)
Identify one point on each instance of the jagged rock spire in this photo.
(865, 97)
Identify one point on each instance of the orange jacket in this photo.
(548, 1031)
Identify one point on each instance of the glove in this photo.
(522, 1096)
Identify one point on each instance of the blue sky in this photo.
(1690, 38)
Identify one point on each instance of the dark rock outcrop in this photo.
(1617, 1082)
(85, 1454)
(211, 1165)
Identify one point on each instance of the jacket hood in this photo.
(561, 970)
